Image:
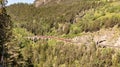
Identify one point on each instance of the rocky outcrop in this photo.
(108, 37)
(39, 3)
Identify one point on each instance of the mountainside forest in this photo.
(62, 33)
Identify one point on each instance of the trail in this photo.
(33, 38)
(67, 40)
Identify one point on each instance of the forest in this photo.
(71, 33)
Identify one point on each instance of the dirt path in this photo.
(49, 37)
(85, 40)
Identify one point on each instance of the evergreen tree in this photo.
(5, 32)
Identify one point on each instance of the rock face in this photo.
(39, 3)
(109, 37)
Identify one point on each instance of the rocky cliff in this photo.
(44, 2)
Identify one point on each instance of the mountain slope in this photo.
(71, 33)
(51, 18)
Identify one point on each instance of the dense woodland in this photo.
(67, 19)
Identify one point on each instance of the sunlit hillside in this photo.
(64, 33)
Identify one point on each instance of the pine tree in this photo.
(5, 31)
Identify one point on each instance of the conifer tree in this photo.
(5, 31)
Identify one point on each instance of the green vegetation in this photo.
(41, 54)
(103, 17)
(5, 33)
(67, 19)
(49, 19)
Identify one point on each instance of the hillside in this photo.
(50, 19)
(65, 33)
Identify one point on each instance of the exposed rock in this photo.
(43, 2)
(109, 37)
(117, 43)
(84, 39)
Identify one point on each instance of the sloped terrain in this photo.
(104, 37)
(54, 19)
(85, 24)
